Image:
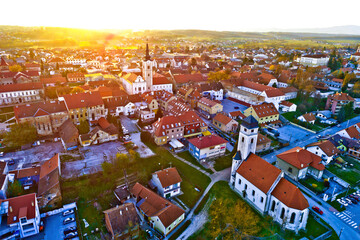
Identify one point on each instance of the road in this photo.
(310, 139)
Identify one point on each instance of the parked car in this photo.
(1, 154)
(71, 235)
(69, 230)
(342, 202)
(68, 212)
(69, 220)
(353, 200)
(346, 200)
(355, 196)
(11, 162)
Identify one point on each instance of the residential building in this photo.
(351, 132)
(314, 60)
(193, 124)
(134, 84)
(336, 101)
(75, 77)
(167, 128)
(22, 216)
(297, 163)
(263, 185)
(286, 106)
(263, 113)
(21, 93)
(290, 92)
(224, 123)
(122, 221)
(211, 107)
(86, 106)
(263, 143)
(69, 135)
(167, 182)
(308, 118)
(161, 214)
(162, 83)
(105, 132)
(46, 116)
(207, 147)
(324, 149)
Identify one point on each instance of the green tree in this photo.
(83, 127)
(15, 68)
(342, 114)
(15, 189)
(20, 134)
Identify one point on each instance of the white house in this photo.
(263, 185)
(206, 147)
(133, 84)
(314, 60)
(286, 106)
(325, 149)
(162, 83)
(167, 182)
(21, 93)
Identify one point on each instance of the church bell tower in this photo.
(246, 144)
(147, 68)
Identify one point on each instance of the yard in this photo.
(94, 193)
(313, 185)
(188, 157)
(350, 174)
(223, 162)
(221, 190)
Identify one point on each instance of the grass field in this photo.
(188, 157)
(349, 175)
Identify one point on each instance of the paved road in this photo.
(310, 139)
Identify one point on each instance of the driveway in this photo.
(129, 124)
(143, 150)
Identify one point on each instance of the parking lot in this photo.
(230, 106)
(129, 124)
(351, 215)
(293, 133)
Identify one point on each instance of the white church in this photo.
(138, 84)
(263, 185)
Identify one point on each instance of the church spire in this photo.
(147, 57)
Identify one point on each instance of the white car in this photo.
(68, 212)
(342, 202)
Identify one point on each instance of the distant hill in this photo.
(346, 29)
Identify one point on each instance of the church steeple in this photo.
(147, 57)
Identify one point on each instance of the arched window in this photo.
(282, 213)
(292, 218)
(273, 206)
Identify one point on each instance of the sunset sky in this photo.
(238, 15)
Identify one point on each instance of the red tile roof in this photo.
(207, 141)
(160, 81)
(259, 172)
(265, 110)
(208, 102)
(166, 123)
(222, 118)
(21, 206)
(302, 158)
(21, 87)
(48, 80)
(309, 117)
(327, 147)
(168, 177)
(290, 195)
(185, 78)
(83, 100)
(39, 108)
(49, 166)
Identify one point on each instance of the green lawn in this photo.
(352, 160)
(268, 227)
(349, 175)
(223, 162)
(319, 188)
(188, 157)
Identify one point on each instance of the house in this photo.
(133, 84)
(167, 182)
(224, 123)
(263, 143)
(210, 107)
(297, 163)
(75, 77)
(207, 147)
(162, 83)
(263, 185)
(263, 113)
(49, 191)
(193, 124)
(236, 115)
(308, 118)
(46, 116)
(185, 79)
(122, 221)
(86, 106)
(290, 92)
(213, 90)
(22, 216)
(314, 60)
(350, 132)
(167, 128)
(69, 135)
(161, 214)
(286, 106)
(336, 101)
(324, 115)
(105, 132)
(21, 93)
(52, 80)
(324, 149)
(27, 176)
(120, 105)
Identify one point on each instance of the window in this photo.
(292, 218)
(252, 141)
(245, 186)
(253, 192)
(273, 206)
(243, 139)
(282, 213)
(239, 181)
(261, 199)
(290, 170)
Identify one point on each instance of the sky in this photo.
(222, 15)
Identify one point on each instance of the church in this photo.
(138, 84)
(263, 185)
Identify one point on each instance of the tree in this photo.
(14, 189)
(77, 90)
(145, 137)
(83, 127)
(218, 76)
(107, 168)
(15, 68)
(159, 113)
(20, 134)
(193, 62)
(341, 115)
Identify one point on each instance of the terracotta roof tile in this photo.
(168, 177)
(207, 141)
(302, 158)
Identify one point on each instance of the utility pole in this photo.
(340, 232)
